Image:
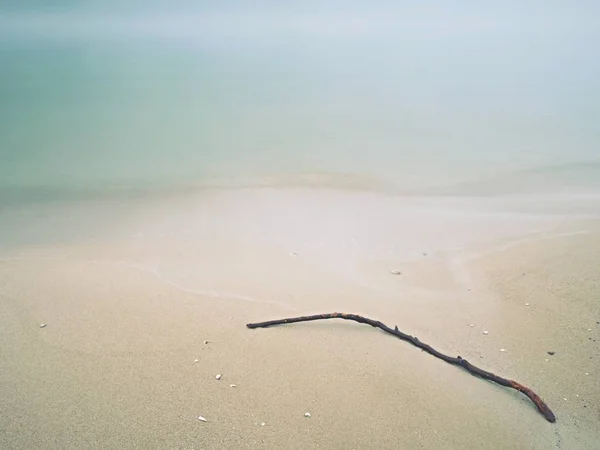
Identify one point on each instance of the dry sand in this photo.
(127, 309)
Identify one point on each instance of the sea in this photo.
(409, 100)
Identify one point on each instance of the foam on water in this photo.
(232, 243)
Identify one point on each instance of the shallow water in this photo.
(102, 121)
(514, 107)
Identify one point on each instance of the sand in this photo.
(130, 290)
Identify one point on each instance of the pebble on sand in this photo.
(218, 376)
(42, 325)
(307, 415)
(486, 332)
(202, 419)
(526, 304)
(196, 361)
(502, 349)
(395, 272)
(262, 424)
(551, 353)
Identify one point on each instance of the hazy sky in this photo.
(548, 42)
(527, 47)
(368, 19)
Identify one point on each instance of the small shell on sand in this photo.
(42, 325)
(262, 424)
(218, 376)
(486, 332)
(395, 272)
(502, 349)
(196, 361)
(202, 419)
(307, 415)
(233, 385)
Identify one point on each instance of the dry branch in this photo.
(458, 361)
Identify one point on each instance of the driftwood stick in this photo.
(458, 361)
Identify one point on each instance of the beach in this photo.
(171, 171)
(139, 319)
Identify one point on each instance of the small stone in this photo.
(202, 419)
(395, 272)
(486, 333)
(471, 325)
(547, 360)
(589, 329)
(565, 399)
(42, 325)
(551, 353)
(233, 385)
(587, 373)
(502, 349)
(526, 304)
(262, 424)
(196, 361)
(307, 414)
(206, 342)
(218, 376)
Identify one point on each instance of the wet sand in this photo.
(128, 310)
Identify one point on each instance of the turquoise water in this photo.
(124, 109)
(414, 111)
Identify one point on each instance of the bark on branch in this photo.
(458, 361)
